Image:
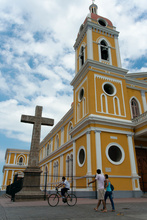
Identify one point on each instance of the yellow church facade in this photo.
(16, 161)
(106, 126)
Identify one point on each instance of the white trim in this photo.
(144, 100)
(109, 50)
(122, 151)
(109, 80)
(98, 150)
(14, 159)
(118, 105)
(112, 86)
(117, 52)
(81, 165)
(6, 177)
(62, 135)
(74, 162)
(89, 44)
(106, 103)
(76, 67)
(88, 153)
(9, 158)
(61, 165)
(50, 171)
(78, 117)
(132, 156)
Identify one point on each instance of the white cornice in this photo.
(102, 120)
(19, 151)
(136, 82)
(139, 89)
(90, 24)
(98, 65)
(68, 115)
(137, 75)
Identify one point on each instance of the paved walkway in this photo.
(129, 209)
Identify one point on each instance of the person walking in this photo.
(100, 178)
(108, 192)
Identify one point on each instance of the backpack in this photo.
(112, 187)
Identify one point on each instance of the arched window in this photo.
(71, 166)
(56, 164)
(57, 141)
(47, 149)
(50, 149)
(104, 50)
(20, 161)
(135, 108)
(67, 166)
(82, 56)
(70, 126)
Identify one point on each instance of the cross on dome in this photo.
(93, 1)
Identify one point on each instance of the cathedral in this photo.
(106, 126)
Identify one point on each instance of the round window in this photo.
(81, 156)
(81, 94)
(115, 154)
(102, 22)
(109, 89)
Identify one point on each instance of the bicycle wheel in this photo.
(53, 200)
(71, 199)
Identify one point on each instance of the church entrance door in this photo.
(142, 167)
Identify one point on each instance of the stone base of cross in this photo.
(31, 183)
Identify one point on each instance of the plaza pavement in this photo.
(128, 209)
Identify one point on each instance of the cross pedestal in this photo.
(31, 183)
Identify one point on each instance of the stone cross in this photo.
(37, 121)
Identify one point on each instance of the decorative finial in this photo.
(93, 7)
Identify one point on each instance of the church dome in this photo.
(94, 16)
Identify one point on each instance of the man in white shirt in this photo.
(101, 192)
(66, 186)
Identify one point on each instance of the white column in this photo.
(144, 100)
(88, 154)
(74, 163)
(76, 68)
(50, 172)
(61, 165)
(14, 159)
(52, 145)
(12, 176)
(62, 135)
(117, 52)
(89, 44)
(6, 178)
(135, 176)
(98, 150)
(9, 158)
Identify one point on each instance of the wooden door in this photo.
(142, 167)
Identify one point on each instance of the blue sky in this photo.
(37, 57)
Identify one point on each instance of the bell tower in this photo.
(97, 87)
(97, 40)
